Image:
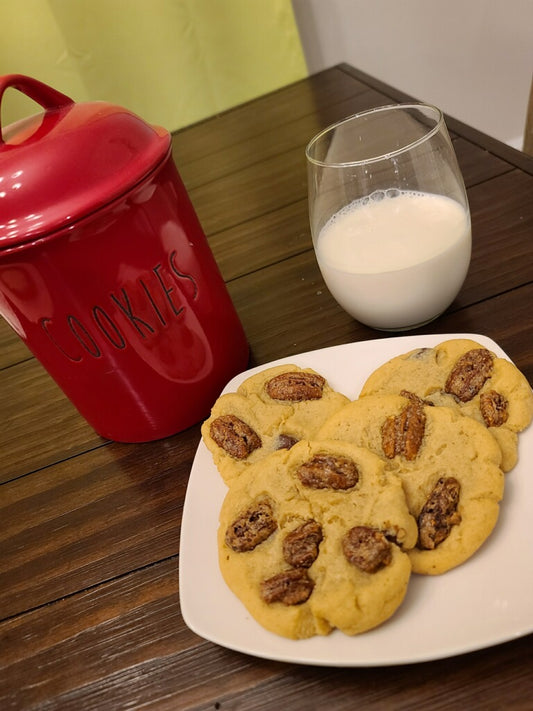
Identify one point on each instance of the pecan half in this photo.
(439, 513)
(296, 386)
(326, 471)
(367, 548)
(234, 436)
(413, 397)
(285, 441)
(251, 528)
(291, 587)
(300, 546)
(469, 374)
(493, 407)
(403, 434)
(395, 534)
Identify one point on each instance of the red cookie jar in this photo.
(105, 272)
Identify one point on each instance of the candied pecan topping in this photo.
(469, 374)
(234, 436)
(439, 513)
(420, 354)
(251, 527)
(326, 471)
(286, 441)
(494, 408)
(296, 386)
(367, 548)
(403, 434)
(300, 546)
(413, 397)
(395, 534)
(291, 587)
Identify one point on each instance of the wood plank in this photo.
(59, 657)
(478, 165)
(253, 245)
(91, 518)
(252, 191)
(502, 225)
(13, 349)
(293, 133)
(39, 424)
(264, 114)
(471, 677)
(60, 653)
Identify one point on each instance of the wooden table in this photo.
(90, 529)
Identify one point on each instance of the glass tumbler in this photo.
(389, 215)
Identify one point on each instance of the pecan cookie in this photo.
(449, 466)
(463, 375)
(271, 410)
(316, 538)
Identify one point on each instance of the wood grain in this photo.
(39, 425)
(91, 518)
(124, 644)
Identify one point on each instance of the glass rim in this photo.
(383, 156)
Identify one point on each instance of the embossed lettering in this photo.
(44, 325)
(83, 336)
(181, 275)
(127, 311)
(108, 327)
(152, 301)
(167, 290)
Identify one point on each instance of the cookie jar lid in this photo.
(68, 161)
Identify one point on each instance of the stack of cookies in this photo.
(333, 504)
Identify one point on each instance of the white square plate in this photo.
(486, 601)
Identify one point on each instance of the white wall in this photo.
(473, 58)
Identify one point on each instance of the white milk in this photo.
(396, 259)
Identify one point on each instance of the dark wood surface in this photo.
(90, 529)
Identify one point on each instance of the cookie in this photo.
(463, 375)
(315, 538)
(270, 410)
(449, 465)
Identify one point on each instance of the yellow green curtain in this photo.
(173, 62)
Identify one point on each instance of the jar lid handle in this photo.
(43, 94)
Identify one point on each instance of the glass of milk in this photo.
(389, 215)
